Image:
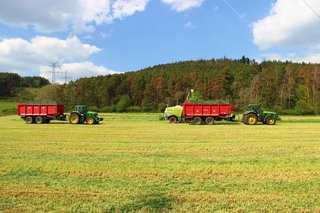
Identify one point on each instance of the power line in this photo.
(54, 71)
(234, 10)
(315, 12)
(66, 77)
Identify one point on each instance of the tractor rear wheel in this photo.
(173, 120)
(197, 120)
(209, 121)
(251, 119)
(29, 120)
(74, 118)
(90, 120)
(39, 120)
(271, 121)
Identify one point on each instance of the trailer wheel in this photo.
(271, 121)
(74, 118)
(173, 120)
(90, 120)
(197, 120)
(209, 121)
(251, 119)
(29, 120)
(39, 120)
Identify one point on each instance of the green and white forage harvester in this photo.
(205, 112)
(44, 112)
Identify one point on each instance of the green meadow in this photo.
(7, 107)
(137, 163)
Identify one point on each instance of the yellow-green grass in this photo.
(136, 163)
(7, 107)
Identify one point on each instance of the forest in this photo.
(12, 84)
(285, 87)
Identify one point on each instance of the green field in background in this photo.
(136, 163)
(7, 107)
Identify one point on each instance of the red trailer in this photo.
(40, 112)
(207, 113)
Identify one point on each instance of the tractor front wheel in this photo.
(197, 120)
(271, 121)
(251, 119)
(90, 120)
(74, 118)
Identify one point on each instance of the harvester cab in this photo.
(81, 114)
(255, 114)
(173, 114)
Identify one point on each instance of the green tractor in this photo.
(255, 114)
(81, 114)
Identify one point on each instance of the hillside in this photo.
(282, 86)
(14, 88)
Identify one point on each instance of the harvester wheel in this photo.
(90, 120)
(209, 121)
(271, 121)
(74, 118)
(173, 120)
(29, 120)
(251, 119)
(197, 120)
(39, 120)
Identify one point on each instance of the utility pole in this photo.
(66, 73)
(54, 71)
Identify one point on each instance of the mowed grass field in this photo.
(137, 163)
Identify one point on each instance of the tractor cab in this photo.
(82, 109)
(255, 108)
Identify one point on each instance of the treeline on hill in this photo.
(285, 87)
(11, 84)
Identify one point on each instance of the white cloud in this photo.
(106, 34)
(49, 16)
(123, 8)
(22, 56)
(308, 58)
(61, 15)
(290, 24)
(190, 25)
(183, 5)
(75, 71)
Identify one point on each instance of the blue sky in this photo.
(98, 37)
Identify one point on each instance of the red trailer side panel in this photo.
(192, 109)
(43, 109)
(36, 109)
(52, 109)
(40, 109)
